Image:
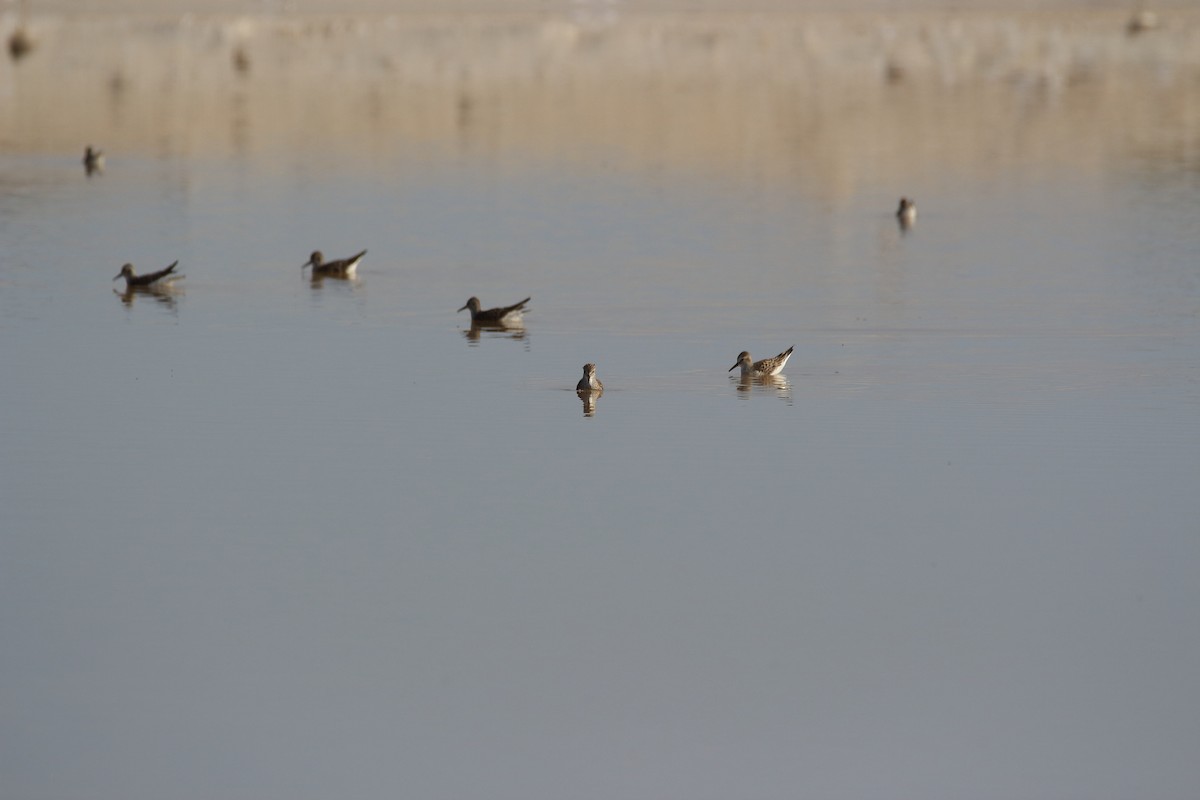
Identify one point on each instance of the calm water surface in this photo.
(266, 538)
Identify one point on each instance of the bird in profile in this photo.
(93, 160)
(506, 315)
(341, 268)
(906, 213)
(768, 366)
(589, 382)
(133, 280)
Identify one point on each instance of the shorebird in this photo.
(241, 61)
(19, 44)
(906, 214)
(1141, 21)
(495, 316)
(768, 366)
(589, 382)
(93, 160)
(341, 268)
(132, 279)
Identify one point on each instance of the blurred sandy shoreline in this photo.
(354, 7)
(551, 7)
(709, 88)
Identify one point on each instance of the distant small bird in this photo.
(1141, 21)
(495, 316)
(93, 161)
(589, 382)
(906, 214)
(132, 279)
(341, 268)
(19, 44)
(241, 60)
(768, 366)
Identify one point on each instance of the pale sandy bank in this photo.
(709, 88)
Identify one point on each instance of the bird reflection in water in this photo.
(166, 294)
(317, 279)
(589, 402)
(495, 331)
(778, 385)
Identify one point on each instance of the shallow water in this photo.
(264, 537)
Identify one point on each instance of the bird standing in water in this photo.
(495, 316)
(589, 382)
(341, 268)
(768, 366)
(133, 280)
(93, 161)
